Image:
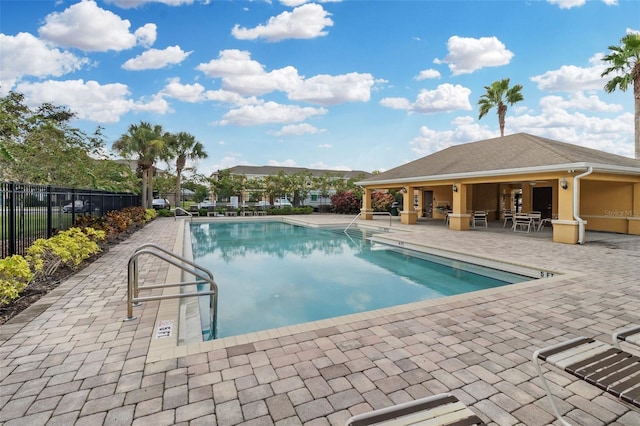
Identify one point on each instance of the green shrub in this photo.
(68, 248)
(15, 274)
(149, 215)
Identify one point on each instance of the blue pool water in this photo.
(273, 274)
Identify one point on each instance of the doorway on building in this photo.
(543, 201)
(427, 201)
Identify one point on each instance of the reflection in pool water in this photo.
(273, 274)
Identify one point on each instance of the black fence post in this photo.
(12, 218)
(49, 213)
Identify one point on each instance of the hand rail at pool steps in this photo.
(175, 216)
(201, 274)
(373, 213)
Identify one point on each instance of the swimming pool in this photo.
(272, 274)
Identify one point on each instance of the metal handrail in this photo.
(201, 274)
(372, 213)
(175, 216)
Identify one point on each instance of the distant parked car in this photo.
(78, 206)
(161, 203)
(282, 202)
(263, 204)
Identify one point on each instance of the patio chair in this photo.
(480, 217)
(194, 210)
(522, 222)
(211, 211)
(603, 365)
(535, 217)
(508, 216)
(442, 409)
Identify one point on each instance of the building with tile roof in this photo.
(574, 187)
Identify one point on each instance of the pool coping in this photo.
(164, 347)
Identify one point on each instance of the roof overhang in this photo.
(568, 168)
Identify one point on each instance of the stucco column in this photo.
(634, 219)
(408, 215)
(565, 228)
(366, 212)
(460, 220)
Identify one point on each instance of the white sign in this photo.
(165, 328)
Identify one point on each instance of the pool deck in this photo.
(71, 359)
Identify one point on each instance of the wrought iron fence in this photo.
(29, 212)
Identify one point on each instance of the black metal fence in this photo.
(29, 212)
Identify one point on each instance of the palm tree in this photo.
(183, 146)
(624, 61)
(498, 95)
(145, 142)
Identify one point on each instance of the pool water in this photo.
(273, 274)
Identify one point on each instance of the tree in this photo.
(624, 61)
(146, 143)
(183, 146)
(498, 95)
(40, 146)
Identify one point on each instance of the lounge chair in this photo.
(438, 410)
(194, 210)
(603, 365)
(211, 211)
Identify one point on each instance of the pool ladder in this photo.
(201, 274)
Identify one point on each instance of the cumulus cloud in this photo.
(183, 92)
(331, 90)
(25, 55)
(130, 4)
(298, 130)
(154, 59)
(90, 100)
(88, 27)
(428, 74)
(304, 22)
(294, 3)
(571, 78)
(465, 129)
(445, 98)
(567, 4)
(467, 55)
(269, 112)
(245, 76)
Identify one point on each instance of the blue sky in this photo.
(349, 85)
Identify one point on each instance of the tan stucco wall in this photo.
(606, 205)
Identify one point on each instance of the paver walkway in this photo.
(70, 359)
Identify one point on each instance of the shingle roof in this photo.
(274, 170)
(518, 151)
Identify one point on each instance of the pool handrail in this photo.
(175, 216)
(373, 213)
(201, 274)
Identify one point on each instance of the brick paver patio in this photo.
(70, 359)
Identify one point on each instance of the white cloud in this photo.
(147, 34)
(285, 163)
(298, 130)
(570, 78)
(269, 112)
(154, 59)
(183, 92)
(465, 130)
(428, 74)
(245, 76)
(321, 165)
(25, 55)
(87, 27)
(325, 146)
(130, 4)
(445, 98)
(396, 103)
(304, 22)
(90, 100)
(331, 90)
(579, 101)
(467, 55)
(294, 3)
(568, 4)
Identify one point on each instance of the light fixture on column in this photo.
(454, 187)
(403, 190)
(564, 184)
